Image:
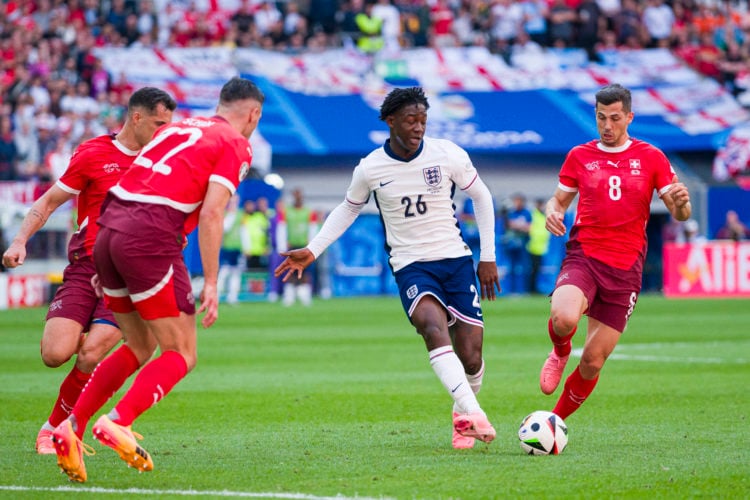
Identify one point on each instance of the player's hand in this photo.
(209, 304)
(14, 255)
(489, 280)
(679, 193)
(554, 223)
(96, 284)
(296, 261)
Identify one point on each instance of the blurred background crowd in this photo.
(55, 92)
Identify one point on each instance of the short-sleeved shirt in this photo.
(615, 187)
(174, 169)
(96, 166)
(415, 199)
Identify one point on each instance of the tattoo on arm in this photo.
(39, 215)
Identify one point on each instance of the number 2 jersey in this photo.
(173, 171)
(615, 187)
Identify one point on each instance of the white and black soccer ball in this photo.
(543, 433)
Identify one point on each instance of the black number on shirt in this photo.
(419, 205)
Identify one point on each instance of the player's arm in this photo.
(676, 198)
(210, 232)
(555, 210)
(484, 212)
(34, 220)
(336, 223)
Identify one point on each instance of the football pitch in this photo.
(338, 400)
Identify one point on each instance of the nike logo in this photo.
(386, 183)
(456, 388)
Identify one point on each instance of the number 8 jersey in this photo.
(174, 169)
(615, 187)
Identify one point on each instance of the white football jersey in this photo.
(415, 199)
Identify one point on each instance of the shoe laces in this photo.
(87, 449)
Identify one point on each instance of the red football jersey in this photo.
(615, 187)
(174, 169)
(96, 166)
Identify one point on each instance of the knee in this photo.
(54, 358)
(89, 356)
(563, 322)
(591, 365)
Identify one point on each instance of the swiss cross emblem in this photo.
(635, 163)
(432, 175)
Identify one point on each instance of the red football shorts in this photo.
(611, 293)
(144, 274)
(75, 299)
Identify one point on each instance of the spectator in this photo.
(370, 35)
(516, 220)
(691, 232)
(441, 23)
(658, 19)
(538, 243)
(733, 229)
(8, 150)
(391, 17)
(562, 20)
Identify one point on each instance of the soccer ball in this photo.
(543, 433)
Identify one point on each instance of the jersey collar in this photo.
(389, 151)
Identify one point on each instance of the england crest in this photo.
(432, 175)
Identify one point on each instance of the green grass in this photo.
(339, 399)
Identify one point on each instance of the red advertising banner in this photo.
(23, 290)
(710, 269)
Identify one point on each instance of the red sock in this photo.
(153, 382)
(576, 390)
(562, 345)
(107, 378)
(70, 389)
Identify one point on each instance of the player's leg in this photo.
(600, 342)
(466, 329)
(570, 300)
(163, 298)
(60, 340)
(467, 342)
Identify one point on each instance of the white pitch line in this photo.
(663, 359)
(186, 493)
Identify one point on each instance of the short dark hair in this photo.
(239, 89)
(149, 98)
(398, 98)
(615, 93)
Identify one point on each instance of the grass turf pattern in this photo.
(339, 399)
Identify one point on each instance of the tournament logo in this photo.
(432, 175)
(111, 167)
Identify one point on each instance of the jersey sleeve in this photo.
(359, 188)
(464, 173)
(664, 173)
(568, 177)
(233, 164)
(75, 177)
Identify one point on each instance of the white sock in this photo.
(289, 294)
(475, 381)
(304, 293)
(450, 371)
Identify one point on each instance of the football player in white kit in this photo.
(413, 179)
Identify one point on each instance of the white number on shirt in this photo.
(615, 193)
(161, 167)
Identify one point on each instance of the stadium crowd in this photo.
(55, 92)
